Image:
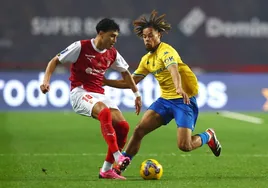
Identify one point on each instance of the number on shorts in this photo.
(87, 98)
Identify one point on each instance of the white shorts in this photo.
(83, 101)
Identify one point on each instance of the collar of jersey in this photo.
(95, 48)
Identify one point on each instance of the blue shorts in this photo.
(184, 115)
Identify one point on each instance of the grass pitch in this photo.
(56, 149)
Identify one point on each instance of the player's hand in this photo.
(138, 105)
(184, 95)
(45, 88)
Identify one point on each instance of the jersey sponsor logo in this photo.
(165, 53)
(89, 57)
(88, 70)
(158, 71)
(169, 59)
(94, 71)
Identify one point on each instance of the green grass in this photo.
(70, 147)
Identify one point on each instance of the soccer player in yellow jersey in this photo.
(178, 85)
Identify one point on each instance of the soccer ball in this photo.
(151, 169)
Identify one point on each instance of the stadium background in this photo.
(223, 41)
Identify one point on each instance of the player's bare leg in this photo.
(187, 142)
(149, 122)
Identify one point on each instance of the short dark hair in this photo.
(106, 25)
(158, 23)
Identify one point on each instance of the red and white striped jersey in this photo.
(88, 64)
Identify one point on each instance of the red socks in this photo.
(107, 129)
(121, 129)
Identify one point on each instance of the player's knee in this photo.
(184, 146)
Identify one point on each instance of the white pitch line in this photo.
(241, 117)
(144, 155)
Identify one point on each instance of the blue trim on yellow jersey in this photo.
(171, 64)
(139, 74)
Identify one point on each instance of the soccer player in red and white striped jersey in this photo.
(89, 61)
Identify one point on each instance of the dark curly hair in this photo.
(158, 23)
(107, 24)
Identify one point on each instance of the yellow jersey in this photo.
(157, 62)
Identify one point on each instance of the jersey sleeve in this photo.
(71, 53)
(141, 70)
(170, 57)
(120, 64)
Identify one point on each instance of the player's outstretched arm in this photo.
(121, 84)
(130, 81)
(49, 71)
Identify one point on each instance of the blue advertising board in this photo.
(234, 92)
